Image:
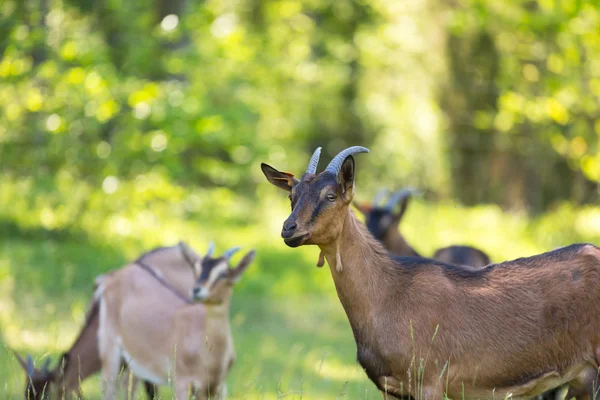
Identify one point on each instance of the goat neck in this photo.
(396, 244)
(218, 328)
(170, 264)
(83, 355)
(360, 280)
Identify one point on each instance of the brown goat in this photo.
(424, 328)
(383, 221)
(74, 366)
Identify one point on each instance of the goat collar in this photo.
(163, 282)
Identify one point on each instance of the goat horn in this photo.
(399, 195)
(314, 161)
(211, 249)
(29, 368)
(336, 164)
(379, 196)
(229, 253)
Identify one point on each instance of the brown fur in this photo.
(77, 364)
(520, 327)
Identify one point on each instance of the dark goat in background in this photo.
(462, 255)
(383, 221)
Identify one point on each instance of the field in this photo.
(292, 338)
(128, 125)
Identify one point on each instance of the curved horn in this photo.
(314, 161)
(397, 196)
(29, 368)
(211, 249)
(229, 253)
(336, 164)
(379, 196)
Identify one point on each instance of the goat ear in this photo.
(29, 368)
(401, 208)
(99, 280)
(346, 179)
(363, 208)
(186, 251)
(283, 180)
(196, 267)
(236, 273)
(190, 257)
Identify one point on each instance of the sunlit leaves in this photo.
(107, 110)
(33, 99)
(548, 80)
(14, 65)
(69, 51)
(199, 97)
(557, 111)
(590, 166)
(209, 124)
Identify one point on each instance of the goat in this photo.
(74, 366)
(383, 221)
(466, 256)
(424, 328)
(161, 336)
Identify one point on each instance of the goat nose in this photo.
(197, 293)
(288, 229)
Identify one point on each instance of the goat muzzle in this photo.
(199, 293)
(297, 240)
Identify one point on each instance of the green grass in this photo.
(294, 347)
(292, 337)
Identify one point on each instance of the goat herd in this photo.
(454, 326)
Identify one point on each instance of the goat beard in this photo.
(338, 261)
(321, 260)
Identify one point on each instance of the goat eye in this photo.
(331, 197)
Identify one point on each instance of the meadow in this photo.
(292, 338)
(127, 125)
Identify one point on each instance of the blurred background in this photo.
(126, 125)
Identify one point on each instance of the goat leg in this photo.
(182, 391)
(150, 390)
(388, 396)
(132, 384)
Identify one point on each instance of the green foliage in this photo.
(200, 92)
(533, 80)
